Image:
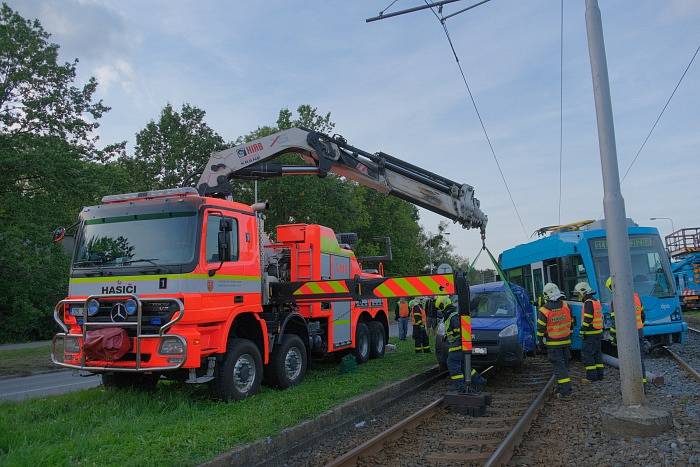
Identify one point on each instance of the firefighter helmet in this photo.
(609, 283)
(442, 302)
(552, 292)
(583, 289)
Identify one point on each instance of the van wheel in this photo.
(288, 362)
(240, 373)
(130, 381)
(376, 340)
(362, 346)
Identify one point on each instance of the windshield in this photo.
(650, 269)
(159, 239)
(492, 304)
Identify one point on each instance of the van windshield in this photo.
(159, 239)
(492, 304)
(651, 274)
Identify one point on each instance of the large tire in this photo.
(240, 372)
(130, 381)
(362, 343)
(377, 344)
(288, 362)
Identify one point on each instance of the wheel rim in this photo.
(380, 343)
(293, 363)
(244, 373)
(364, 345)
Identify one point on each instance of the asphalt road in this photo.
(46, 384)
(61, 382)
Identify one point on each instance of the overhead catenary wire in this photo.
(478, 114)
(561, 101)
(668, 101)
(381, 12)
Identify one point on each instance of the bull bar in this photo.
(139, 336)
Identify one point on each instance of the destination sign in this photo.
(635, 242)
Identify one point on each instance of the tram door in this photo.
(537, 282)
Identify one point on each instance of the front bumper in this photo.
(144, 355)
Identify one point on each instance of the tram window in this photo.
(574, 272)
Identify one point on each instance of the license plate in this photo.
(479, 351)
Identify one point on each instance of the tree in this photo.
(37, 95)
(173, 148)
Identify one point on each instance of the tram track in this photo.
(435, 436)
(692, 349)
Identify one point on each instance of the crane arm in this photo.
(323, 153)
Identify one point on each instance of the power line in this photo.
(478, 114)
(561, 100)
(386, 8)
(660, 114)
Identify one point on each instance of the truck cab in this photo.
(172, 284)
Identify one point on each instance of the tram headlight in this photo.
(676, 315)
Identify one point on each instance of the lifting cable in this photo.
(478, 114)
(660, 114)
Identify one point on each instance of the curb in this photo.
(302, 436)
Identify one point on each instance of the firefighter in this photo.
(453, 336)
(420, 335)
(554, 326)
(591, 332)
(639, 318)
(401, 313)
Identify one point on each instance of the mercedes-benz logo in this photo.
(118, 312)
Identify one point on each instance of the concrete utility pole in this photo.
(632, 417)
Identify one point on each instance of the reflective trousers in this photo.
(592, 356)
(559, 357)
(403, 328)
(455, 366)
(420, 336)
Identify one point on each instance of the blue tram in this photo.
(568, 254)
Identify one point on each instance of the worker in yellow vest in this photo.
(591, 332)
(639, 318)
(554, 326)
(420, 334)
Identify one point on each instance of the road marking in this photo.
(45, 388)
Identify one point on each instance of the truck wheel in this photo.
(130, 381)
(376, 340)
(362, 346)
(288, 362)
(240, 373)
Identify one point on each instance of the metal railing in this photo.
(60, 307)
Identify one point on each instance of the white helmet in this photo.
(583, 289)
(552, 292)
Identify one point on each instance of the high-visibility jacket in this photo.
(554, 323)
(638, 314)
(417, 313)
(403, 309)
(453, 330)
(592, 322)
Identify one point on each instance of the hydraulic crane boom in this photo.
(380, 171)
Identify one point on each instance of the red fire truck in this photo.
(186, 284)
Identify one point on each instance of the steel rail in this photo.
(694, 330)
(692, 371)
(375, 444)
(505, 450)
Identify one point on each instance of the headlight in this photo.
(71, 345)
(93, 306)
(76, 309)
(131, 306)
(676, 315)
(509, 331)
(171, 346)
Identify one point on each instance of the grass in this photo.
(692, 317)
(24, 362)
(179, 424)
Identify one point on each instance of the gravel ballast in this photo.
(569, 432)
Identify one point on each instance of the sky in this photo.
(393, 86)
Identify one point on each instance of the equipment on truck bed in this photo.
(198, 291)
(684, 248)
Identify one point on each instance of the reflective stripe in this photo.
(597, 316)
(564, 380)
(541, 334)
(539, 321)
(644, 380)
(587, 315)
(591, 367)
(588, 333)
(455, 349)
(555, 343)
(599, 365)
(473, 371)
(457, 377)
